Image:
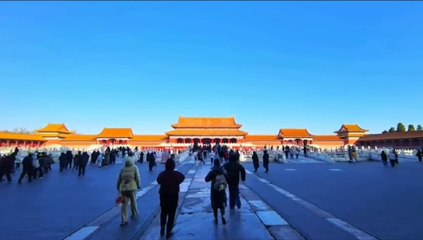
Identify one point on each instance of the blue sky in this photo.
(271, 65)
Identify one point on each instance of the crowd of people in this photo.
(36, 164)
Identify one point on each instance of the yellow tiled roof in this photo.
(392, 136)
(294, 133)
(351, 128)
(20, 136)
(61, 128)
(187, 122)
(116, 133)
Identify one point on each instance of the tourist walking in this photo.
(169, 181)
(200, 157)
(127, 184)
(27, 168)
(392, 158)
(151, 158)
(255, 161)
(218, 178)
(384, 157)
(235, 171)
(266, 160)
(141, 159)
(297, 152)
(62, 162)
(419, 155)
(83, 161)
(6, 166)
(69, 157)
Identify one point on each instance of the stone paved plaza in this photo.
(295, 200)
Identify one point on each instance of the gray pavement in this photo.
(312, 201)
(195, 219)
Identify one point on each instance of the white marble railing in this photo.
(362, 155)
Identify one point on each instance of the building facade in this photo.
(191, 130)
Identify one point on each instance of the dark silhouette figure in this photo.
(235, 171)
(27, 168)
(419, 155)
(266, 160)
(255, 161)
(169, 181)
(384, 158)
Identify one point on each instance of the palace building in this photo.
(186, 132)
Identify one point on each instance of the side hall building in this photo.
(186, 132)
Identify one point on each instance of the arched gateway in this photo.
(206, 131)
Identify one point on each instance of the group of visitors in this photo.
(221, 177)
(392, 156)
(35, 166)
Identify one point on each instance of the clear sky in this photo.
(271, 65)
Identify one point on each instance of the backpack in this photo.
(220, 183)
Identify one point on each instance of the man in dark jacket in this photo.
(62, 161)
(83, 161)
(169, 181)
(384, 157)
(266, 160)
(27, 168)
(151, 158)
(6, 166)
(419, 155)
(235, 170)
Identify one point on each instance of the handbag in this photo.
(119, 200)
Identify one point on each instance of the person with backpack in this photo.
(235, 170)
(218, 178)
(169, 181)
(127, 184)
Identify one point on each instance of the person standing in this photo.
(392, 158)
(62, 161)
(69, 157)
(217, 194)
(384, 157)
(255, 161)
(235, 171)
(169, 181)
(83, 161)
(128, 183)
(266, 160)
(419, 155)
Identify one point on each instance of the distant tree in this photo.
(411, 128)
(392, 129)
(400, 127)
(419, 128)
(384, 132)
